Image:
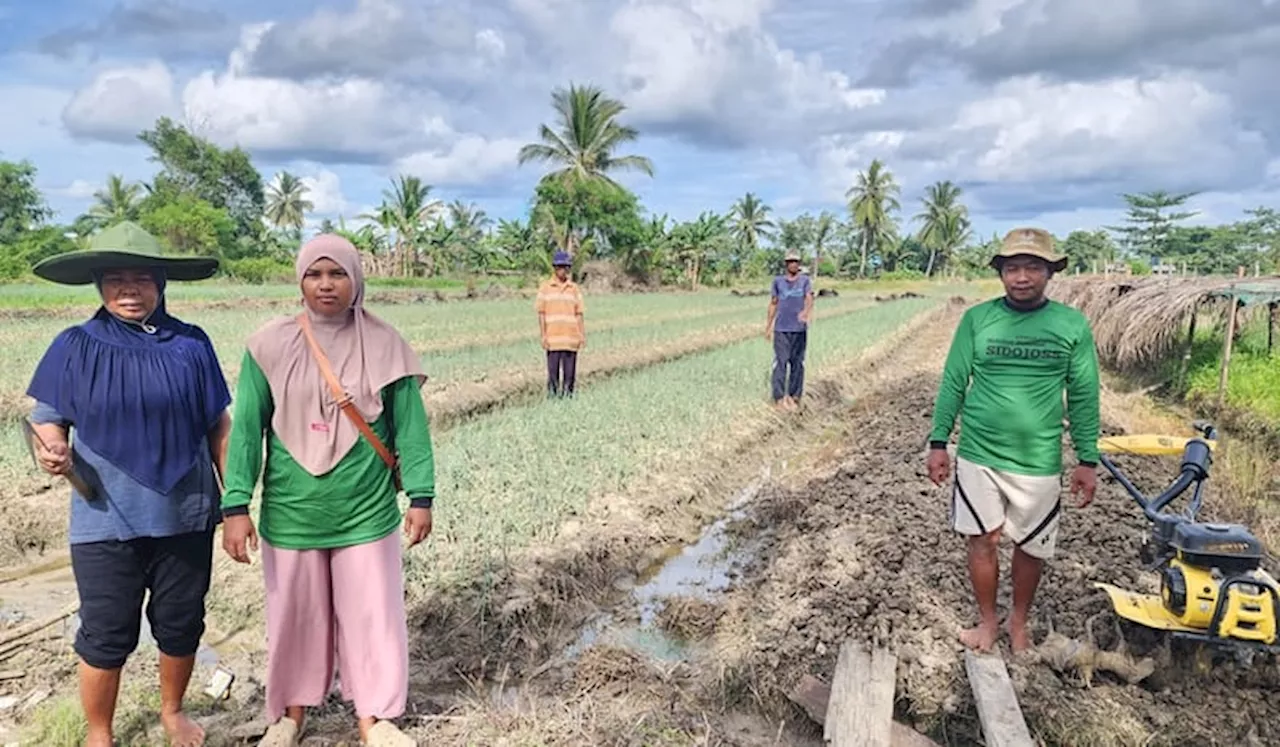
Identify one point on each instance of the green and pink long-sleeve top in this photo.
(356, 501)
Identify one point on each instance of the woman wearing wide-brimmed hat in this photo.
(145, 399)
(333, 391)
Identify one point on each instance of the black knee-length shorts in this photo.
(112, 578)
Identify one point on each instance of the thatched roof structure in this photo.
(1141, 321)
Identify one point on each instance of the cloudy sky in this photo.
(1043, 110)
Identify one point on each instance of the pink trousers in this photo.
(345, 607)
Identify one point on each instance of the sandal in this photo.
(283, 733)
(386, 734)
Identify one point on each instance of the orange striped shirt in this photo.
(561, 303)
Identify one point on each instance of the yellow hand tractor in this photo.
(1213, 588)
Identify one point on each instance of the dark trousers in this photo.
(562, 368)
(112, 578)
(788, 357)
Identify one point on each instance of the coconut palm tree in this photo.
(696, 240)
(287, 203)
(462, 235)
(118, 201)
(751, 221)
(945, 222)
(872, 200)
(519, 241)
(406, 209)
(468, 219)
(587, 137)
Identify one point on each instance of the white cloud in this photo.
(970, 22)
(490, 44)
(838, 159)
(348, 117)
(404, 39)
(710, 64)
(1029, 146)
(324, 190)
(1171, 125)
(121, 102)
(78, 189)
(468, 160)
(352, 117)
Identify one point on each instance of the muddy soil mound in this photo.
(867, 553)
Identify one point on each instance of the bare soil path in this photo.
(866, 552)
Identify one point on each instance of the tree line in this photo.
(210, 200)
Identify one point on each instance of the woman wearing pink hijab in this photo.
(334, 391)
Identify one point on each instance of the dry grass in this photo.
(1105, 717)
(524, 717)
(688, 618)
(1137, 323)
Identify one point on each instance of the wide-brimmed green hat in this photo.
(123, 246)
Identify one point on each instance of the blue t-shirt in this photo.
(791, 295)
(123, 509)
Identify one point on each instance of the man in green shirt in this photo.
(1010, 362)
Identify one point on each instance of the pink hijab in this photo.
(366, 354)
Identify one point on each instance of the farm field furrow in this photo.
(611, 351)
(485, 387)
(510, 478)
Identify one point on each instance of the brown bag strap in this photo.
(344, 399)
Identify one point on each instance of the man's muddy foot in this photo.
(981, 638)
(181, 730)
(1019, 639)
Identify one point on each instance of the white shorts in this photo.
(1026, 506)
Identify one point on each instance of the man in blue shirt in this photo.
(790, 307)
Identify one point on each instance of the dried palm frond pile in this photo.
(1140, 321)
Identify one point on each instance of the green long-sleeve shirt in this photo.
(353, 503)
(1005, 376)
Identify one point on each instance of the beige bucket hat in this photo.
(1035, 242)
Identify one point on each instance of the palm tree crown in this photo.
(873, 196)
(287, 203)
(751, 221)
(588, 135)
(116, 202)
(945, 222)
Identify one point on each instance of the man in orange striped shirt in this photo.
(564, 332)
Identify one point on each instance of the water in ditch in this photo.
(700, 571)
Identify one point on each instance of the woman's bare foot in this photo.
(981, 638)
(181, 730)
(102, 738)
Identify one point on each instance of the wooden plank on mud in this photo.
(1002, 722)
(56, 563)
(22, 631)
(860, 711)
(812, 695)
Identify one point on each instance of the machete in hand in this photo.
(30, 437)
